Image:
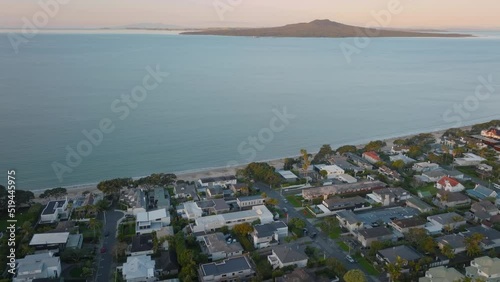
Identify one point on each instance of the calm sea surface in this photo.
(220, 91)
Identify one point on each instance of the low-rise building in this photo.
(54, 211)
(185, 191)
(241, 188)
(142, 244)
(491, 133)
(349, 220)
(216, 247)
(210, 223)
(49, 241)
(349, 203)
(455, 241)
(287, 255)
(400, 157)
(139, 269)
(404, 225)
(250, 201)
(389, 196)
(37, 266)
(214, 181)
(265, 235)
(166, 263)
(213, 206)
(342, 189)
(332, 171)
(483, 210)
(148, 222)
(369, 235)
(433, 175)
(161, 198)
(480, 192)
(406, 253)
(231, 269)
(447, 221)
(452, 199)
(359, 161)
(469, 159)
(135, 199)
(424, 166)
(449, 184)
(189, 210)
(418, 204)
(372, 157)
(485, 268)
(442, 274)
(288, 176)
(491, 237)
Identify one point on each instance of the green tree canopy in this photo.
(355, 275)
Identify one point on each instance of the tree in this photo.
(472, 244)
(242, 229)
(272, 201)
(346, 149)
(113, 186)
(374, 146)
(355, 275)
(102, 205)
(94, 224)
(297, 223)
(263, 195)
(336, 266)
(305, 160)
(323, 173)
(288, 164)
(394, 269)
(324, 152)
(447, 251)
(399, 164)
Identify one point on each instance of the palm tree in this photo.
(94, 224)
(305, 161)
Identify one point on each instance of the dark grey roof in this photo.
(403, 251)
(230, 265)
(455, 241)
(249, 198)
(52, 205)
(409, 222)
(375, 232)
(141, 243)
(289, 253)
(489, 233)
(349, 216)
(167, 261)
(266, 230)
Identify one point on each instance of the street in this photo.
(328, 245)
(105, 264)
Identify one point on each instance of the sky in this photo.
(246, 13)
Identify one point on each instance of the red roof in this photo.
(453, 182)
(372, 155)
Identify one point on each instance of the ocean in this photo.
(81, 107)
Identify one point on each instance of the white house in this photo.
(333, 171)
(265, 235)
(148, 222)
(469, 159)
(210, 223)
(449, 184)
(37, 266)
(441, 274)
(217, 181)
(449, 220)
(139, 269)
(215, 246)
(55, 210)
(424, 166)
(250, 201)
(288, 175)
(231, 269)
(485, 268)
(287, 255)
(189, 210)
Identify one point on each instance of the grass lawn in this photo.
(367, 266)
(429, 188)
(343, 246)
(22, 215)
(128, 228)
(468, 170)
(295, 201)
(331, 227)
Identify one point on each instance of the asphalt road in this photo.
(328, 245)
(105, 265)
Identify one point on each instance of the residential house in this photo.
(442, 274)
(346, 178)
(139, 269)
(349, 203)
(491, 133)
(210, 223)
(216, 247)
(359, 161)
(349, 220)
(216, 191)
(217, 181)
(491, 237)
(269, 234)
(135, 199)
(469, 159)
(37, 266)
(345, 165)
(288, 176)
(287, 255)
(369, 235)
(399, 149)
(448, 221)
(142, 244)
(400, 157)
(449, 184)
(424, 166)
(54, 211)
(166, 263)
(241, 188)
(485, 268)
(148, 222)
(214, 206)
(49, 241)
(391, 174)
(484, 210)
(298, 275)
(390, 255)
(332, 171)
(449, 199)
(455, 241)
(160, 199)
(342, 189)
(189, 210)
(250, 201)
(185, 191)
(372, 157)
(405, 224)
(231, 269)
(480, 192)
(389, 196)
(433, 175)
(418, 204)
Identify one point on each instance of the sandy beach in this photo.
(74, 191)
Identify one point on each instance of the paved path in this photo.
(105, 265)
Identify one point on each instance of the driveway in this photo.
(105, 264)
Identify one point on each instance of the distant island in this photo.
(321, 28)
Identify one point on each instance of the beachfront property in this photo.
(399, 149)
(449, 184)
(148, 222)
(359, 161)
(217, 181)
(342, 189)
(469, 159)
(369, 235)
(332, 171)
(55, 211)
(418, 204)
(288, 176)
(451, 199)
(401, 157)
(425, 166)
(372, 157)
(160, 199)
(189, 210)
(444, 221)
(442, 274)
(135, 199)
(349, 203)
(269, 234)
(185, 191)
(491, 133)
(232, 269)
(139, 269)
(388, 196)
(342, 162)
(485, 268)
(216, 247)
(37, 267)
(210, 223)
(287, 255)
(213, 206)
(250, 201)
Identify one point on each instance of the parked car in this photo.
(350, 259)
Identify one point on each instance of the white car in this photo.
(350, 259)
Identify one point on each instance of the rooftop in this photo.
(446, 218)
(419, 203)
(402, 251)
(445, 180)
(35, 265)
(216, 242)
(266, 230)
(287, 174)
(49, 238)
(342, 188)
(442, 274)
(409, 222)
(152, 215)
(487, 265)
(449, 197)
(230, 265)
(456, 241)
(141, 243)
(289, 253)
(375, 232)
(217, 179)
(138, 267)
(52, 206)
(348, 216)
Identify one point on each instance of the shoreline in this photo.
(195, 174)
